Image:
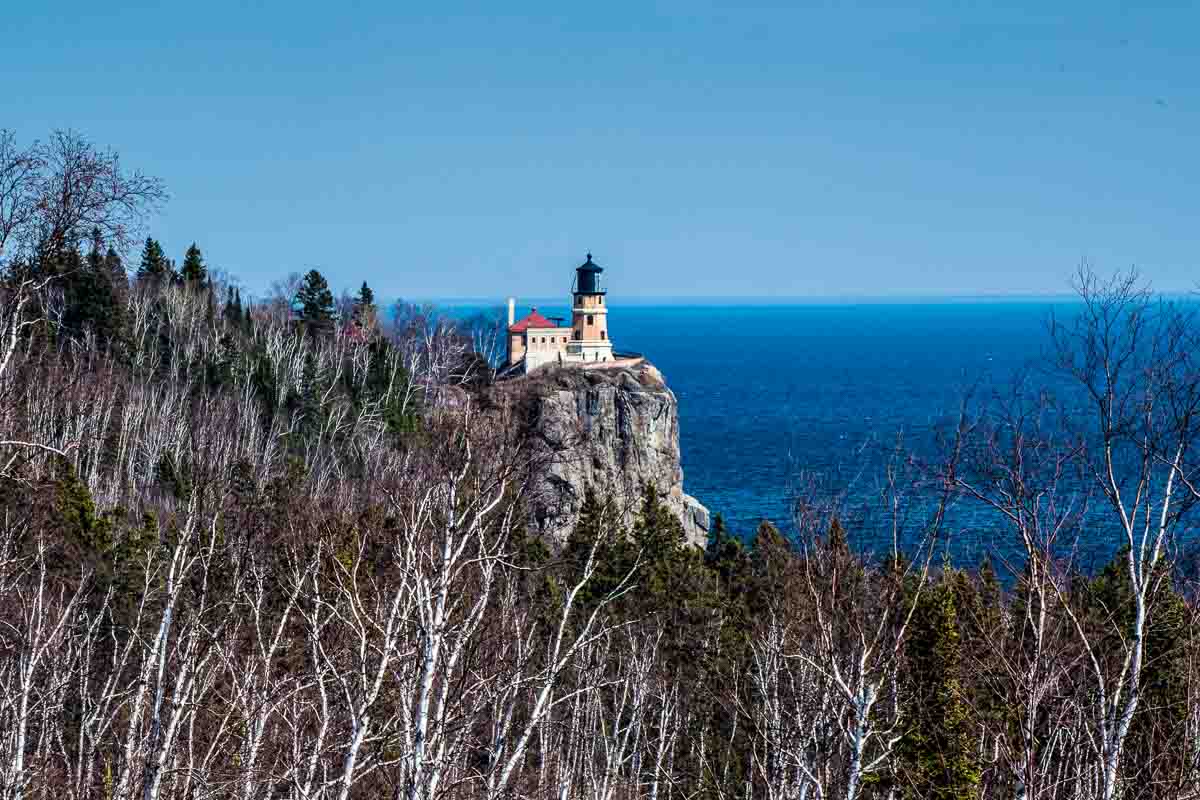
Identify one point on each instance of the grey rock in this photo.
(614, 429)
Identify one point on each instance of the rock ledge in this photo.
(614, 429)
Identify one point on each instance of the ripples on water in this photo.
(778, 395)
(772, 396)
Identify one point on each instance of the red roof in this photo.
(533, 320)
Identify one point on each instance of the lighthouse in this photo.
(589, 315)
(535, 341)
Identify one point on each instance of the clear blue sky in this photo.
(443, 149)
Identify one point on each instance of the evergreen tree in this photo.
(155, 265)
(194, 272)
(615, 556)
(1152, 751)
(366, 297)
(114, 284)
(770, 556)
(386, 382)
(364, 308)
(937, 759)
(674, 584)
(1160, 722)
(84, 534)
(91, 300)
(315, 301)
(303, 402)
(115, 269)
(657, 531)
(233, 306)
(988, 640)
(79, 289)
(720, 543)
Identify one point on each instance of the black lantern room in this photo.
(587, 277)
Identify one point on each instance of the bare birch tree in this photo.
(1134, 360)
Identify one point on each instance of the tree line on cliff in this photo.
(274, 548)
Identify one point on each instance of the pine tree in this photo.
(614, 555)
(1161, 719)
(315, 301)
(194, 272)
(936, 756)
(115, 269)
(366, 297)
(364, 308)
(673, 583)
(154, 264)
(657, 530)
(718, 541)
(770, 556)
(233, 306)
(91, 301)
(118, 285)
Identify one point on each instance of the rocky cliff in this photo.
(614, 429)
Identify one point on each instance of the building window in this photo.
(603, 334)
(602, 300)
(578, 335)
(591, 319)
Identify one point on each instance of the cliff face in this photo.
(613, 429)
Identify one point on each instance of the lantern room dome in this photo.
(587, 277)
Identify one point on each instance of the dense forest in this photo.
(276, 547)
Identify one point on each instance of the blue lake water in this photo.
(777, 397)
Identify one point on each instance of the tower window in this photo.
(591, 319)
(603, 334)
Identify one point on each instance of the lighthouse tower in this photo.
(589, 315)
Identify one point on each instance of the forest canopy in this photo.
(277, 546)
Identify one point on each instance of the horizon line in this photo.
(758, 299)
